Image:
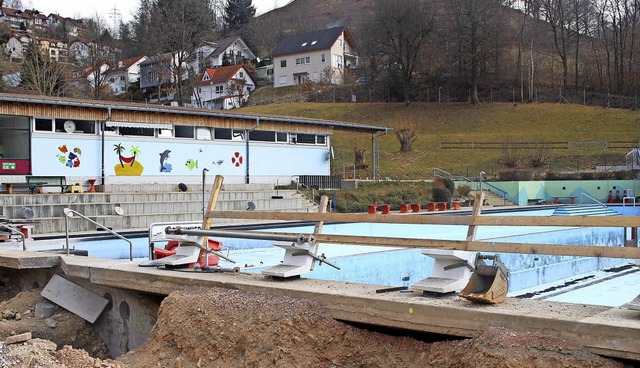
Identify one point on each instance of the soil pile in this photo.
(230, 328)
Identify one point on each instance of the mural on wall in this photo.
(128, 166)
(191, 164)
(236, 159)
(164, 165)
(67, 158)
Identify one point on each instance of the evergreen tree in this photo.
(238, 13)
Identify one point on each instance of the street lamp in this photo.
(481, 175)
(439, 94)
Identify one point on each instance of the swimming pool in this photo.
(402, 267)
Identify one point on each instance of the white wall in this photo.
(268, 161)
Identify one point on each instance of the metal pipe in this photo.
(247, 148)
(68, 212)
(238, 234)
(103, 127)
(204, 207)
(15, 231)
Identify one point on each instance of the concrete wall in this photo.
(77, 156)
(521, 192)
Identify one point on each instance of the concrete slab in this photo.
(74, 298)
(604, 330)
(19, 260)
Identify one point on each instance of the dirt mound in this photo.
(63, 328)
(230, 328)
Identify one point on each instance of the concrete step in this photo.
(33, 199)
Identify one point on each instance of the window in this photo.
(228, 134)
(323, 59)
(183, 131)
(144, 132)
(219, 89)
(44, 125)
(165, 133)
(203, 133)
(241, 74)
(283, 63)
(303, 60)
(321, 139)
(262, 136)
(302, 138)
(281, 137)
(338, 61)
(80, 126)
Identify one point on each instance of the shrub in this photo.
(463, 190)
(439, 194)
(515, 175)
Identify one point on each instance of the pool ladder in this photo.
(15, 231)
(68, 212)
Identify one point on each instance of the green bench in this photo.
(36, 181)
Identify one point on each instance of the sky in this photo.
(104, 8)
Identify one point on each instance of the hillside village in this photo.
(522, 51)
(222, 72)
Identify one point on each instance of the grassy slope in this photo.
(439, 122)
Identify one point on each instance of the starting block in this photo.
(451, 271)
(298, 259)
(187, 251)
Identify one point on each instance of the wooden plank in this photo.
(211, 206)
(477, 208)
(594, 221)
(324, 200)
(507, 247)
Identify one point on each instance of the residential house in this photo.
(17, 44)
(158, 71)
(317, 56)
(222, 88)
(71, 26)
(124, 73)
(227, 51)
(56, 49)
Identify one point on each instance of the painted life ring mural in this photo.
(236, 159)
(70, 159)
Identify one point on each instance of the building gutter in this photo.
(246, 139)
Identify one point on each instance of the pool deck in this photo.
(606, 331)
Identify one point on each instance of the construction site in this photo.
(187, 302)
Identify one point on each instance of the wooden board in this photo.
(595, 221)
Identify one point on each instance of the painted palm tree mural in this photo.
(134, 168)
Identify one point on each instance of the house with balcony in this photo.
(16, 47)
(227, 51)
(323, 56)
(222, 88)
(124, 73)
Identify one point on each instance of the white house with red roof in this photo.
(222, 88)
(124, 73)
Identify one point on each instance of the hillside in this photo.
(456, 122)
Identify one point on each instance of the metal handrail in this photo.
(595, 200)
(502, 192)
(438, 171)
(15, 231)
(68, 212)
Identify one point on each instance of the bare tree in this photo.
(406, 134)
(191, 22)
(399, 29)
(102, 57)
(476, 25)
(41, 73)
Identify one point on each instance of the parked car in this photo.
(362, 80)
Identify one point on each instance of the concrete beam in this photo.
(19, 260)
(606, 331)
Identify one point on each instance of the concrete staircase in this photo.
(141, 208)
(587, 210)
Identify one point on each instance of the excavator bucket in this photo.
(489, 283)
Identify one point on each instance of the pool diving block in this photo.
(451, 271)
(298, 258)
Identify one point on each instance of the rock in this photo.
(18, 316)
(44, 310)
(18, 338)
(43, 344)
(51, 323)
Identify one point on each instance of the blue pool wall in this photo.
(519, 192)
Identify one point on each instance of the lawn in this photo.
(458, 122)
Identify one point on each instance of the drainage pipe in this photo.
(239, 234)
